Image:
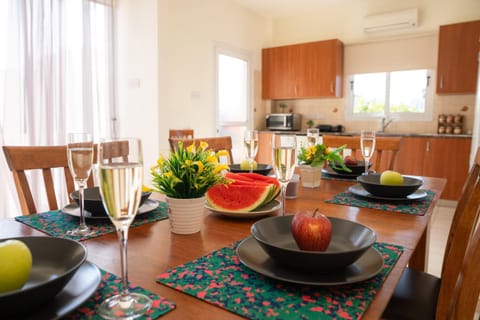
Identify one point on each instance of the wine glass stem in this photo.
(123, 236)
(251, 164)
(283, 194)
(367, 160)
(81, 192)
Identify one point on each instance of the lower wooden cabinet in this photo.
(445, 157)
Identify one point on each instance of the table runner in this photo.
(415, 207)
(221, 279)
(111, 285)
(56, 223)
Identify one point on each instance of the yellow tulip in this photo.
(191, 148)
(222, 153)
(199, 165)
(203, 145)
(220, 168)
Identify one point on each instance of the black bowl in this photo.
(263, 169)
(350, 240)
(93, 201)
(371, 183)
(54, 263)
(357, 169)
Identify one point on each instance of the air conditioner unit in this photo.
(404, 19)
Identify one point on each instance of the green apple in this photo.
(245, 165)
(391, 178)
(15, 265)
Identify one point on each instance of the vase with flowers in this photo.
(312, 159)
(184, 177)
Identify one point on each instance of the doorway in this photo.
(233, 96)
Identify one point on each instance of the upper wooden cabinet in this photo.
(306, 70)
(458, 50)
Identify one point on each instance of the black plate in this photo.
(54, 262)
(254, 257)
(372, 184)
(263, 169)
(347, 175)
(358, 190)
(357, 169)
(73, 210)
(83, 284)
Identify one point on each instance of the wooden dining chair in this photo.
(420, 295)
(214, 143)
(386, 149)
(24, 159)
(180, 133)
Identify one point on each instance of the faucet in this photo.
(385, 123)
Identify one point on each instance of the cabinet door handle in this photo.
(428, 146)
(441, 82)
(331, 86)
(296, 89)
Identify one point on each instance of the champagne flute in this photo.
(120, 170)
(250, 143)
(284, 153)
(367, 145)
(80, 158)
(312, 136)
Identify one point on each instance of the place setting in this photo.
(332, 270)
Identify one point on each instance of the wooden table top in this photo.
(152, 248)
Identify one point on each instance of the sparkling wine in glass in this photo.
(312, 136)
(120, 170)
(250, 144)
(367, 145)
(80, 158)
(284, 153)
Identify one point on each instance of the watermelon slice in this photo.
(238, 197)
(256, 178)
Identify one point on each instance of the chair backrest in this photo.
(214, 143)
(463, 225)
(386, 149)
(181, 133)
(22, 159)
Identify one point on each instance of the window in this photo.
(403, 95)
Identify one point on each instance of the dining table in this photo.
(153, 249)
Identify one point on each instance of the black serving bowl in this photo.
(93, 200)
(350, 240)
(356, 169)
(54, 263)
(371, 183)
(263, 169)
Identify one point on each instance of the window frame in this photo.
(398, 116)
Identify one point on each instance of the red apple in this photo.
(350, 160)
(311, 231)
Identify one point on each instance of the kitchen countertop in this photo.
(381, 134)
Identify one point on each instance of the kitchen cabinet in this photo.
(458, 50)
(306, 70)
(446, 157)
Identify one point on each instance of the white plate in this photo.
(267, 208)
(73, 210)
(358, 190)
(252, 255)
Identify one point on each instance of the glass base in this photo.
(80, 231)
(129, 306)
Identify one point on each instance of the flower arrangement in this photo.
(188, 172)
(316, 155)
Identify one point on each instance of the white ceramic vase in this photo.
(310, 177)
(185, 215)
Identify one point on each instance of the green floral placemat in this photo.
(57, 223)
(111, 285)
(415, 207)
(221, 279)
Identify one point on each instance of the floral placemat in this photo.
(221, 279)
(111, 285)
(57, 223)
(415, 207)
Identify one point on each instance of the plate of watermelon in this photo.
(247, 195)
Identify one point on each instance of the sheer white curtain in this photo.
(56, 67)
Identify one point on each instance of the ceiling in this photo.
(283, 8)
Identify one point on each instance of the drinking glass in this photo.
(312, 136)
(120, 175)
(250, 143)
(367, 145)
(284, 153)
(80, 158)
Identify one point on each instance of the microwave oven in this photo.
(284, 121)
